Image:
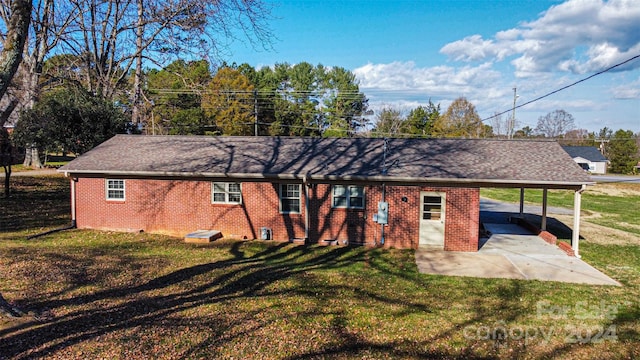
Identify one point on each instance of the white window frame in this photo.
(283, 189)
(347, 195)
(109, 189)
(227, 193)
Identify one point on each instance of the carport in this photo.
(576, 187)
(513, 252)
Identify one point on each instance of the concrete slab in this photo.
(559, 268)
(465, 264)
(512, 253)
(202, 236)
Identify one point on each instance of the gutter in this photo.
(306, 186)
(399, 180)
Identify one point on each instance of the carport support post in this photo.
(521, 202)
(575, 236)
(543, 226)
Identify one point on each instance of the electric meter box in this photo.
(383, 212)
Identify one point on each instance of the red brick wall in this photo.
(462, 221)
(179, 207)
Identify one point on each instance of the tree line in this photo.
(290, 100)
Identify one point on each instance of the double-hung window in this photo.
(226, 193)
(348, 196)
(114, 189)
(290, 198)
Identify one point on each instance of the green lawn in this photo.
(111, 295)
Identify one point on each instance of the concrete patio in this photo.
(513, 253)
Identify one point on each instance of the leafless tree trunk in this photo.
(10, 58)
(49, 22)
(17, 31)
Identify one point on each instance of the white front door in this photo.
(432, 215)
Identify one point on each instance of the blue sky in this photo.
(405, 52)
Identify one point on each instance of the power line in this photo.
(563, 88)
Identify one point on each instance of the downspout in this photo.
(73, 201)
(382, 225)
(575, 236)
(306, 185)
(384, 173)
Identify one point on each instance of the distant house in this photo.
(589, 158)
(402, 193)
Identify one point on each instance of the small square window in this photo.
(226, 193)
(115, 189)
(351, 197)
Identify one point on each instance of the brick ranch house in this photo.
(427, 191)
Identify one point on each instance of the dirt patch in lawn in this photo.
(599, 234)
(615, 189)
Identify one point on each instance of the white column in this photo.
(575, 236)
(543, 226)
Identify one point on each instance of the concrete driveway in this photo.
(512, 253)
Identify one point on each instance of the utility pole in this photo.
(512, 122)
(602, 147)
(255, 111)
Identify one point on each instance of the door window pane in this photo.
(432, 208)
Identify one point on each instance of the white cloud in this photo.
(431, 81)
(578, 36)
(404, 86)
(628, 91)
(570, 39)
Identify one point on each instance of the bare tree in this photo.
(500, 126)
(555, 124)
(115, 37)
(17, 31)
(578, 137)
(390, 123)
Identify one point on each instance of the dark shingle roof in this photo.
(586, 152)
(477, 161)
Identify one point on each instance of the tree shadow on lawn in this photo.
(184, 289)
(118, 311)
(35, 203)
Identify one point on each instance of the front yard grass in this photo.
(112, 295)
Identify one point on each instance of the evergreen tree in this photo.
(622, 150)
(421, 120)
